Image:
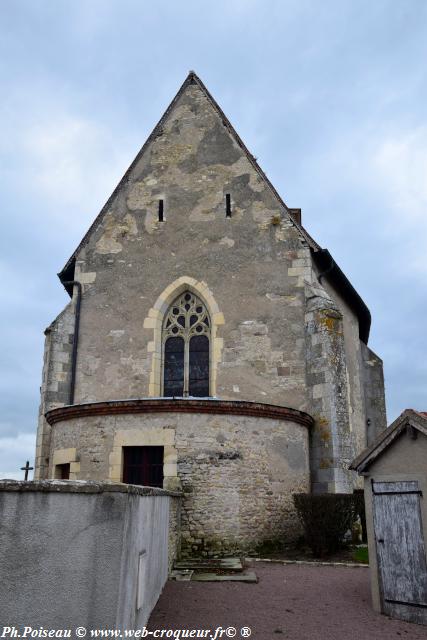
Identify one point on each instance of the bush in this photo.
(361, 555)
(359, 507)
(326, 517)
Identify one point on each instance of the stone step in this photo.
(181, 575)
(211, 564)
(250, 576)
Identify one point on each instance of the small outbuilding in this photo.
(395, 472)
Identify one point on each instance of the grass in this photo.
(361, 555)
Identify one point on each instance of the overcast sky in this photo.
(329, 95)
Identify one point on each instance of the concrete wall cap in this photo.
(82, 486)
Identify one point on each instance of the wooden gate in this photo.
(400, 549)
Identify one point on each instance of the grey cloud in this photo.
(316, 90)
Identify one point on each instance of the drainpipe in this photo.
(75, 337)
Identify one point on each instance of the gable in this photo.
(190, 164)
(193, 142)
(410, 421)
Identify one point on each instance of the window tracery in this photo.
(186, 348)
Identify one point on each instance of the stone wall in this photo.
(352, 346)
(373, 386)
(55, 387)
(249, 268)
(174, 539)
(332, 444)
(237, 473)
(345, 384)
(82, 554)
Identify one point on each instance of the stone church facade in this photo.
(210, 345)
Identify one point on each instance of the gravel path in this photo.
(292, 602)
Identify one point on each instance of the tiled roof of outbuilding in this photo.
(409, 418)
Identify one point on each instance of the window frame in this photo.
(145, 463)
(186, 334)
(62, 471)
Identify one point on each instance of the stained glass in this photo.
(186, 334)
(174, 367)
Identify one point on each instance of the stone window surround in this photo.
(154, 321)
(186, 332)
(148, 437)
(66, 456)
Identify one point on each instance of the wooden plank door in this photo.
(400, 549)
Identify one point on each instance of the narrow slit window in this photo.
(228, 205)
(161, 213)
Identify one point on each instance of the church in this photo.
(210, 346)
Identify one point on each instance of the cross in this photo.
(27, 468)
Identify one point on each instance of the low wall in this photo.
(84, 553)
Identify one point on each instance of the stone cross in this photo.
(27, 468)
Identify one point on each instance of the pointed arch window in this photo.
(186, 348)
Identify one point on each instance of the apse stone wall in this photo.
(55, 387)
(237, 473)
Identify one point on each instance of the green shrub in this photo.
(326, 517)
(361, 555)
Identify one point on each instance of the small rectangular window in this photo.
(161, 213)
(143, 466)
(228, 205)
(62, 471)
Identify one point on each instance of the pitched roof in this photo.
(410, 418)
